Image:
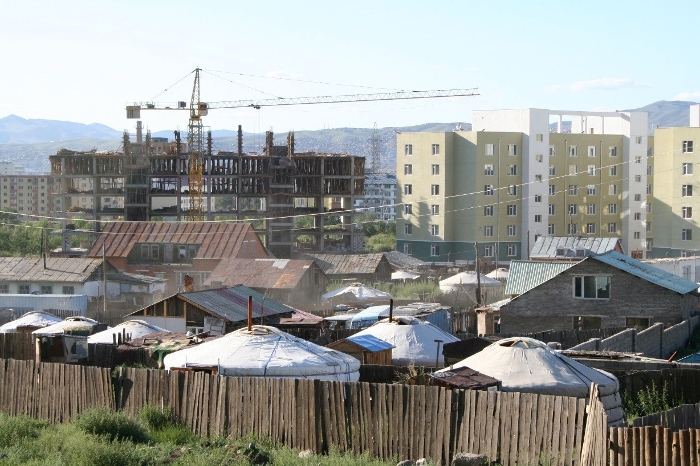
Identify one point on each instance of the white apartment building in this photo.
(380, 196)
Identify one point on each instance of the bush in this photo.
(157, 418)
(647, 401)
(13, 430)
(111, 425)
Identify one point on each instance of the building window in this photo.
(435, 230)
(686, 234)
(488, 190)
(573, 209)
(590, 228)
(408, 228)
(591, 190)
(408, 169)
(638, 159)
(552, 190)
(512, 190)
(637, 197)
(434, 209)
(512, 230)
(538, 178)
(573, 152)
(551, 209)
(637, 216)
(687, 212)
(573, 170)
(592, 287)
(488, 169)
(552, 151)
(687, 190)
(612, 151)
(489, 250)
(538, 198)
(613, 170)
(4, 288)
(512, 209)
(687, 146)
(591, 151)
(637, 178)
(572, 229)
(435, 189)
(550, 229)
(46, 289)
(408, 149)
(436, 149)
(538, 157)
(512, 250)
(648, 226)
(408, 209)
(407, 248)
(612, 227)
(512, 149)
(488, 230)
(637, 235)
(650, 170)
(539, 137)
(408, 189)
(552, 170)
(435, 169)
(591, 170)
(538, 218)
(68, 290)
(648, 207)
(612, 189)
(649, 189)
(587, 323)
(638, 139)
(488, 149)
(488, 211)
(434, 250)
(591, 209)
(512, 170)
(24, 289)
(687, 168)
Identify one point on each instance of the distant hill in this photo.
(665, 113)
(17, 130)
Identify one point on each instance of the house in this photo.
(297, 282)
(56, 275)
(173, 250)
(366, 268)
(606, 290)
(217, 310)
(572, 248)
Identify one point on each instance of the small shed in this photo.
(368, 349)
(65, 341)
(465, 378)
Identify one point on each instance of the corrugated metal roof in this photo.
(215, 240)
(261, 273)
(58, 269)
(546, 246)
(526, 275)
(370, 342)
(399, 260)
(232, 303)
(348, 264)
(647, 272)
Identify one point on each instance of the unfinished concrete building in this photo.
(149, 181)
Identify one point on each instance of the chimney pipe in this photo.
(240, 140)
(250, 313)
(391, 309)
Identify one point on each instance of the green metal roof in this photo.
(526, 275)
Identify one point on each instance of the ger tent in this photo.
(467, 282)
(499, 274)
(414, 340)
(30, 322)
(130, 329)
(70, 325)
(356, 293)
(266, 351)
(530, 366)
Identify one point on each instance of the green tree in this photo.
(381, 242)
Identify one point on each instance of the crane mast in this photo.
(194, 140)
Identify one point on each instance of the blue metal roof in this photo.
(369, 316)
(690, 359)
(370, 342)
(526, 275)
(647, 272)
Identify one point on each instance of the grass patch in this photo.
(648, 400)
(113, 425)
(17, 429)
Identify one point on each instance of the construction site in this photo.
(150, 180)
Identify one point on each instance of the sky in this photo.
(84, 61)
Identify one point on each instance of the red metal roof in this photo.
(261, 273)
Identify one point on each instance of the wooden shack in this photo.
(367, 349)
(464, 378)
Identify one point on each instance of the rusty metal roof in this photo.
(464, 377)
(261, 273)
(58, 269)
(348, 264)
(232, 303)
(216, 240)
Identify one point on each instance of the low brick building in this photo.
(606, 290)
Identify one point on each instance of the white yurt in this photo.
(413, 340)
(130, 329)
(68, 325)
(357, 293)
(29, 322)
(499, 274)
(467, 282)
(530, 366)
(267, 351)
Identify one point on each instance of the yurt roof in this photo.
(267, 352)
(358, 292)
(469, 278)
(69, 323)
(37, 319)
(413, 340)
(134, 328)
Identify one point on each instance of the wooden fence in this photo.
(682, 385)
(653, 446)
(17, 346)
(595, 441)
(679, 418)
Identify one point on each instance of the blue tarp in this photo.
(369, 316)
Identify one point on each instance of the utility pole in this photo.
(104, 283)
(477, 268)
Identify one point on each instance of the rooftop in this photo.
(58, 269)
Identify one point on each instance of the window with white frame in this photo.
(552, 190)
(552, 151)
(573, 209)
(590, 228)
(24, 289)
(539, 137)
(592, 287)
(434, 210)
(407, 248)
(512, 170)
(435, 189)
(637, 178)
(637, 197)
(488, 190)
(648, 207)
(538, 157)
(435, 149)
(488, 211)
(552, 209)
(538, 218)
(512, 230)
(68, 289)
(612, 151)
(612, 189)
(687, 146)
(686, 212)
(435, 169)
(590, 189)
(488, 149)
(512, 210)
(408, 209)
(488, 230)
(687, 190)
(572, 229)
(637, 235)
(638, 159)
(488, 169)
(489, 250)
(408, 149)
(46, 289)
(613, 170)
(408, 169)
(686, 234)
(538, 198)
(612, 227)
(591, 170)
(512, 149)
(573, 190)
(573, 169)
(573, 152)
(591, 209)
(649, 190)
(687, 168)
(550, 229)
(637, 215)
(408, 189)
(512, 250)
(638, 139)
(435, 230)
(434, 250)
(538, 178)
(591, 151)
(408, 228)
(5, 288)
(650, 170)
(512, 190)
(552, 170)
(648, 226)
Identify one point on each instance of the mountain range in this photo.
(29, 142)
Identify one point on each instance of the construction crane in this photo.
(199, 109)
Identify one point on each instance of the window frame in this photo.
(581, 287)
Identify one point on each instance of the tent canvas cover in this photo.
(356, 292)
(413, 340)
(266, 351)
(33, 319)
(530, 366)
(133, 328)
